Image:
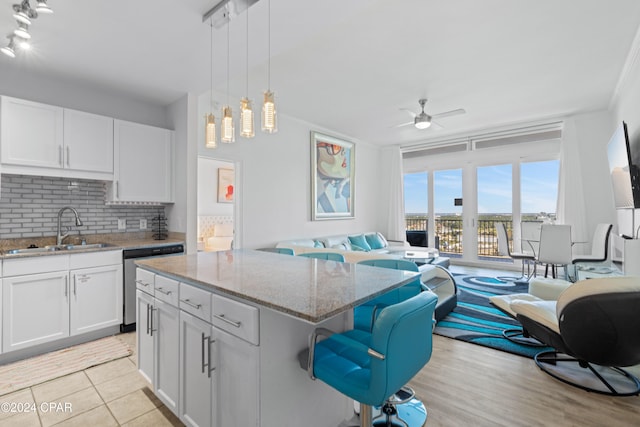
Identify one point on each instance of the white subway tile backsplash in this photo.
(29, 207)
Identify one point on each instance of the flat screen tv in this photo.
(624, 173)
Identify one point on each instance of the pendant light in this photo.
(210, 119)
(269, 117)
(43, 7)
(10, 49)
(227, 132)
(246, 108)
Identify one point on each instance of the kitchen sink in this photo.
(53, 248)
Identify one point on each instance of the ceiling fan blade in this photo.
(436, 126)
(413, 114)
(403, 124)
(449, 113)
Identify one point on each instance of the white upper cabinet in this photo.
(31, 134)
(143, 164)
(41, 139)
(88, 142)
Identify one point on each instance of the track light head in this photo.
(43, 7)
(10, 49)
(24, 13)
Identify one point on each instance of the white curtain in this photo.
(571, 204)
(395, 215)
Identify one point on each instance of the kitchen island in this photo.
(240, 318)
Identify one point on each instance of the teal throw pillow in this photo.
(374, 241)
(360, 241)
(356, 248)
(318, 244)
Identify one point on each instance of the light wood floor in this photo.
(469, 385)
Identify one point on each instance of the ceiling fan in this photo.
(423, 120)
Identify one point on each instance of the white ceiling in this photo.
(351, 65)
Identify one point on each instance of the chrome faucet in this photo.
(60, 237)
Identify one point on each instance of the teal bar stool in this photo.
(330, 256)
(365, 314)
(371, 367)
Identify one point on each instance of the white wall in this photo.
(21, 82)
(275, 184)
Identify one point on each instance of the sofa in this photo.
(373, 245)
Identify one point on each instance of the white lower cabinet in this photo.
(197, 372)
(217, 372)
(95, 301)
(35, 309)
(158, 340)
(52, 297)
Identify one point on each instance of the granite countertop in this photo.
(309, 289)
(114, 242)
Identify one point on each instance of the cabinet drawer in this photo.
(144, 280)
(95, 259)
(166, 290)
(238, 319)
(195, 301)
(35, 264)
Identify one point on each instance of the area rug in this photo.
(38, 369)
(476, 321)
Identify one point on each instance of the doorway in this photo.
(216, 200)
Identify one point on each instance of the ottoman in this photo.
(547, 288)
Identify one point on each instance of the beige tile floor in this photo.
(111, 394)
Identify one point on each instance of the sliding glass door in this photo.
(494, 204)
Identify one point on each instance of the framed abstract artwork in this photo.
(332, 177)
(226, 185)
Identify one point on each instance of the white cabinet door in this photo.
(167, 352)
(237, 385)
(197, 404)
(143, 168)
(144, 319)
(35, 309)
(31, 134)
(96, 298)
(88, 142)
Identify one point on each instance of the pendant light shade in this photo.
(43, 7)
(22, 31)
(10, 49)
(210, 131)
(269, 115)
(246, 118)
(227, 131)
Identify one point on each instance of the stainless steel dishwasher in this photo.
(129, 257)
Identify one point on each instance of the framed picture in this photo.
(332, 177)
(226, 186)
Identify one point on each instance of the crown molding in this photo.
(630, 65)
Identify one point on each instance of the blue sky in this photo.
(539, 188)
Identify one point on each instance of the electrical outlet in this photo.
(122, 224)
(143, 224)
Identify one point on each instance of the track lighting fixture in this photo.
(22, 31)
(24, 15)
(43, 7)
(10, 49)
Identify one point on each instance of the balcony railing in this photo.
(449, 233)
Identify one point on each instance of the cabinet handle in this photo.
(151, 330)
(60, 155)
(207, 364)
(117, 190)
(162, 291)
(224, 319)
(75, 284)
(189, 303)
(68, 155)
(140, 282)
(66, 286)
(148, 322)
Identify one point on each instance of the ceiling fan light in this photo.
(43, 7)
(422, 123)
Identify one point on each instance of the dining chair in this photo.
(503, 249)
(530, 236)
(599, 245)
(555, 247)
